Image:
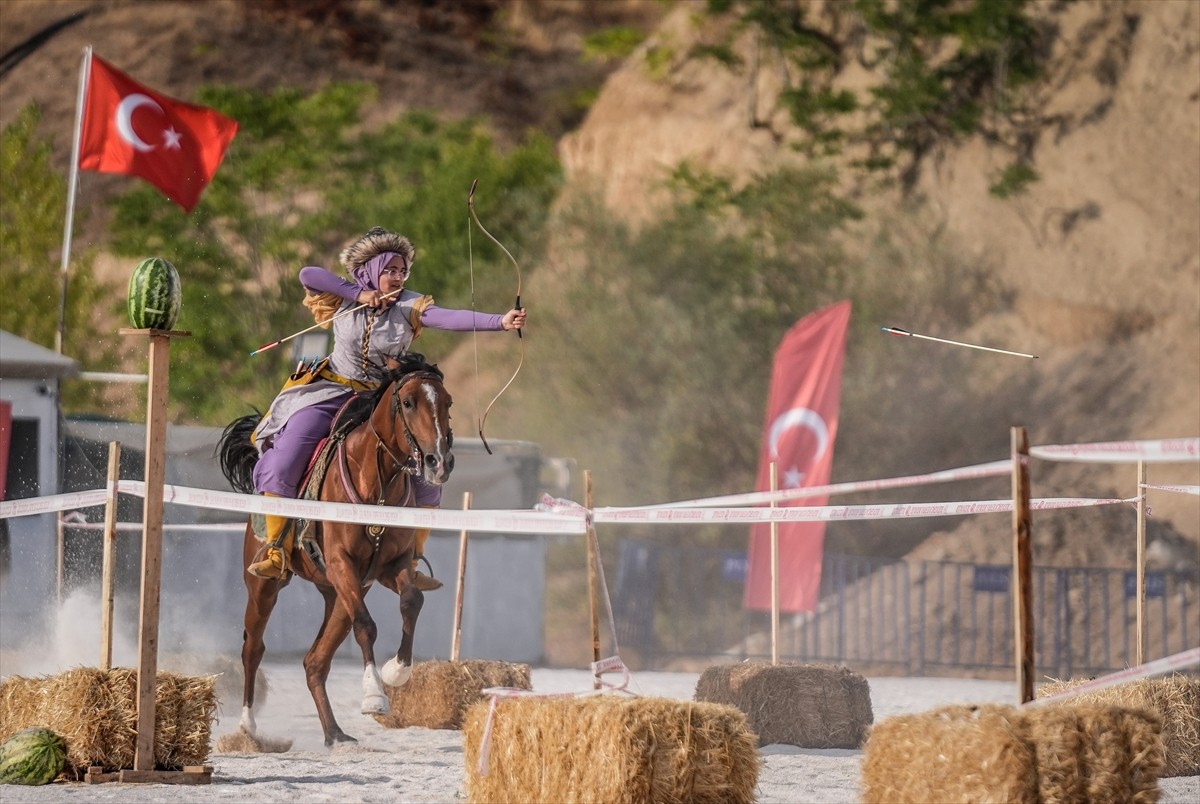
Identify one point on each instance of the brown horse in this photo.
(405, 432)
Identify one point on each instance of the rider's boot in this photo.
(280, 538)
(422, 581)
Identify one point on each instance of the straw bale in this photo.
(610, 748)
(239, 742)
(808, 705)
(228, 670)
(1061, 753)
(1094, 752)
(954, 753)
(438, 694)
(1174, 699)
(95, 712)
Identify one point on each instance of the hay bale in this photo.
(1001, 753)
(1175, 700)
(955, 753)
(809, 705)
(95, 712)
(228, 670)
(1090, 752)
(610, 748)
(438, 694)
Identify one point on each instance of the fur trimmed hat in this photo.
(376, 241)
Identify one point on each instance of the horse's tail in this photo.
(238, 453)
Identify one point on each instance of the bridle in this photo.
(410, 465)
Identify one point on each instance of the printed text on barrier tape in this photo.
(1193, 490)
(839, 513)
(491, 521)
(1165, 450)
(56, 502)
(993, 469)
(1158, 667)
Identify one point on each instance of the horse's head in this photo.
(419, 406)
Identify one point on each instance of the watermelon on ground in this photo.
(154, 295)
(32, 756)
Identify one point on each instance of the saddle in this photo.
(356, 410)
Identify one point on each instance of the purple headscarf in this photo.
(367, 274)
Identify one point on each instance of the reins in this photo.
(409, 466)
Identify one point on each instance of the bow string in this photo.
(516, 306)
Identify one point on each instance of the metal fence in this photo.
(899, 617)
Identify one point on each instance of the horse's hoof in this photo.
(338, 738)
(395, 674)
(376, 705)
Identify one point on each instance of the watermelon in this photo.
(154, 295)
(32, 756)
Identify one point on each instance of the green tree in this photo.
(301, 179)
(948, 69)
(33, 200)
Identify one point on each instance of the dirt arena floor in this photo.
(426, 765)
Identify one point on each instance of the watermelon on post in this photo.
(154, 295)
(32, 756)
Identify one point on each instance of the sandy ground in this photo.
(426, 765)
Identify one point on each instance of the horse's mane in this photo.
(359, 409)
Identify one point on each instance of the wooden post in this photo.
(60, 555)
(156, 450)
(107, 581)
(456, 636)
(774, 571)
(1141, 563)
(593, 550)
(1022, 565)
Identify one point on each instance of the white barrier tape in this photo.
(841, 512)
(239, 527)
(1193, 490)
(612, 664)
(1158, 667)
(55, 502)
(1164, 450)
(993, 469)
(480, 520)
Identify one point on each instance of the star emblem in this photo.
(172, 138)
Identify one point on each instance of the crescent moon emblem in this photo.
(124, 118)
(799, 417)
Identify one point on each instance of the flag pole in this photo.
(72, 183)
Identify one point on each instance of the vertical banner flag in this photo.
(131, 129)
(801, 425)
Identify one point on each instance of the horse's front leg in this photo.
(350, 597)
(398, 669)
(261, 596)
(334, 628)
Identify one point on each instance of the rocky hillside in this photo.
(1100, 258)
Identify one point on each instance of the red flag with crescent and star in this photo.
(801, 426)
(131, 129)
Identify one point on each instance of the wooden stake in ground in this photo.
(1022, 565)
(156, 450)
(107, 579)
(593, 556)
(774, 571)
(1141, 563)
(456, 636)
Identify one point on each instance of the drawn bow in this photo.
(516, 306)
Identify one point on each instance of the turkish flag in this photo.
(802, 419)
(131, 129)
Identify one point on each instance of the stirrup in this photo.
(426, 583)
